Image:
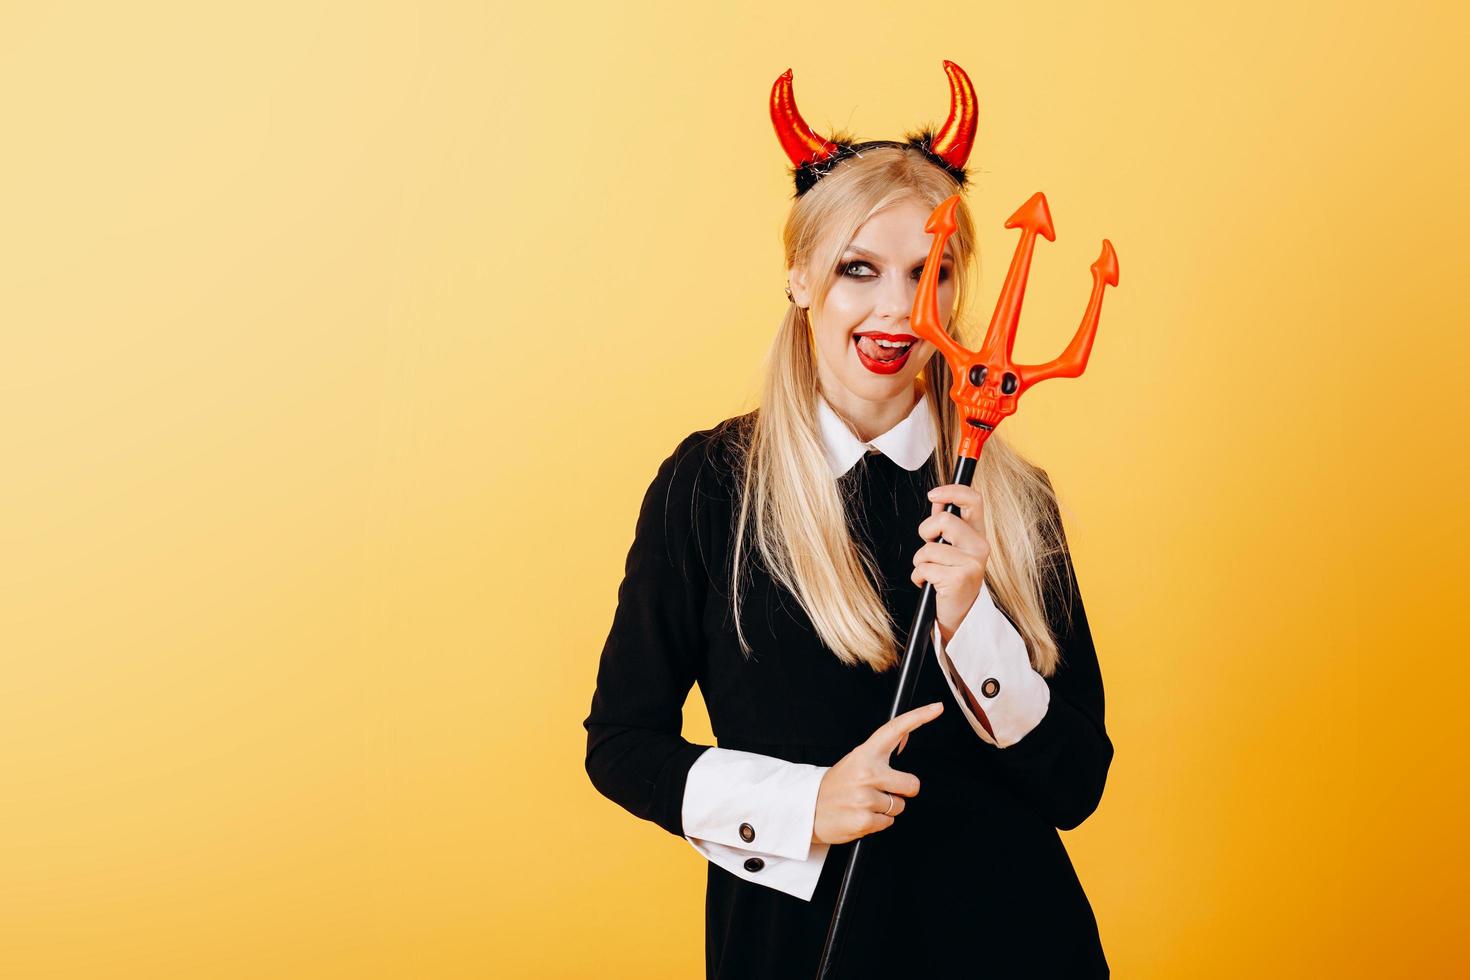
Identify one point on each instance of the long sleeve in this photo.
(1061, 765)
(988, 668)
(636, 756)
(754, 815)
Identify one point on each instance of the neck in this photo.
(870, 419)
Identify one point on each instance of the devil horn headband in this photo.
(813, 156)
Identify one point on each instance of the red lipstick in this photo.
(880, 364)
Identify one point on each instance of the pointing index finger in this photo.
(886, 738)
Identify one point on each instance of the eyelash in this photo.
(849, 266)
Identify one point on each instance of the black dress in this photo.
(972, 879)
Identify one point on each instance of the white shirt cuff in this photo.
(988, 668)
(797, 878)
(754, 815)
(753, 802)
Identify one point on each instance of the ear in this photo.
(800, 288)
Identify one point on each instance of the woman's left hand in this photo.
(956, 567)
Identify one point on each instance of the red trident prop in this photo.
(987, 385)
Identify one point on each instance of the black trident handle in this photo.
(908, 681)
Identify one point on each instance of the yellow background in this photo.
(340, 342)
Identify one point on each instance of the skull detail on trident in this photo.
(987, 383)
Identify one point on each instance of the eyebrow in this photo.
(858, 249)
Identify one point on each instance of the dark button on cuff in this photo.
(747, 833)
(754, 864)
(990, 688)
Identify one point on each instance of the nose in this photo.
(896, 301)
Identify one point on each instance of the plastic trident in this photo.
(987, 383)
(986, 387)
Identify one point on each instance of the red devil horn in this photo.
(801, 144)
(956, 137)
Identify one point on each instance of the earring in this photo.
(789, 298)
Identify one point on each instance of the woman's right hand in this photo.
(854, 793)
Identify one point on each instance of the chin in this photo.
(879, 387)
(869, 385)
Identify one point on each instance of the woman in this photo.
(775, 563)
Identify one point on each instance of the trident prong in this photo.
(1073, 361)
(987, 383)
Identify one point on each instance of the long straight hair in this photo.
(791, 511)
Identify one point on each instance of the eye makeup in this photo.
(846, 269)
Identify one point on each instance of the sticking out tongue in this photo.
(871, 348)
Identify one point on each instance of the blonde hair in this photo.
(791, 511)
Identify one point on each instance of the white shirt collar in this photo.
(909, 443)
